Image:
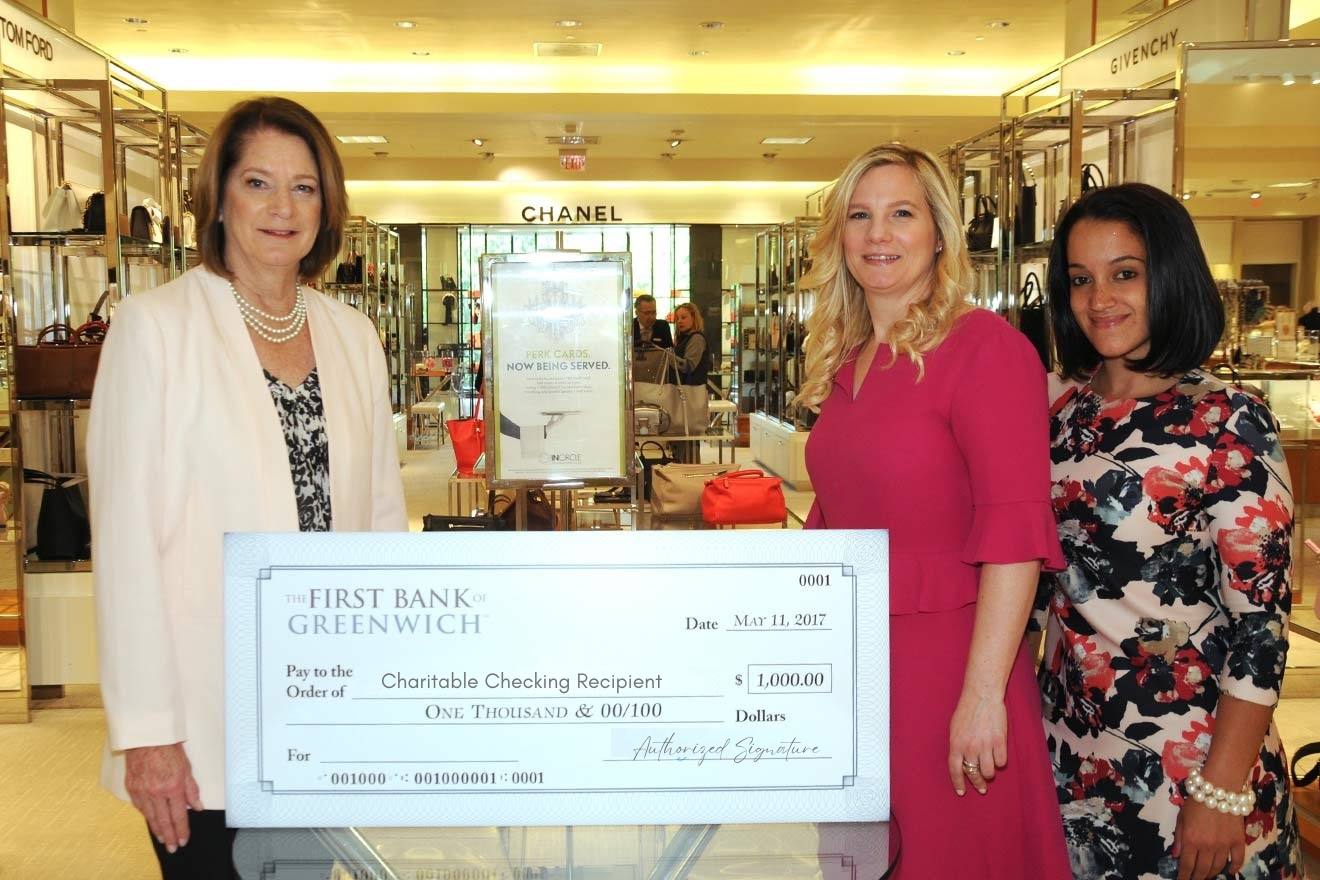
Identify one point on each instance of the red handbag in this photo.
(743, 498)
(469, 438)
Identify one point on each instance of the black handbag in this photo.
(1031, 317)
(139, 223)
(64, 531)
(1092, 177)
(1308, 777)
(432, 522)
(1024, 224)
(649, 462)
(981, 229)
(94, 214)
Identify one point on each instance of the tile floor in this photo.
(59, 823)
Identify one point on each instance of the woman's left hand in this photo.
(1208, 842)
(978, 741)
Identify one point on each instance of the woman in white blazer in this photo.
(232, 399)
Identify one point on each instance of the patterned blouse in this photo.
(302, 415)
(1175, 515)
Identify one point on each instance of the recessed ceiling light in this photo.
(980, 38)
(361, 139)
(712, 25)
(675, 142)
(405, 24)
(995, 25)
(1291, 184)
(1186, 196)
(421, 53)
(568, 23)
(1288, 79)
(1255, 194)
(786, 140)
(135, 20)
(479, 142)
(955, 53)
(179, 51)
(698, 53)
(1315, 79)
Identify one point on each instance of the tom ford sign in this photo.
(571, 214)
(31, 46)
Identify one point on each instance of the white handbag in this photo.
(62, 212)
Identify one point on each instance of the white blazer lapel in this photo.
(257, 423)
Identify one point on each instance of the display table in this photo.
(811, 851)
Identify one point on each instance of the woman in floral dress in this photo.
(1167, 632)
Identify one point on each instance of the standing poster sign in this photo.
(556, 345)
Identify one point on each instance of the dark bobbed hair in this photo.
(1183, 306)
(240, 122)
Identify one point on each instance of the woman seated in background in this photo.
(693, 366)
(1168, 631)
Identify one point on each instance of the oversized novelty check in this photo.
(556, 678)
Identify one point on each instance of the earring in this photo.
(939, 248)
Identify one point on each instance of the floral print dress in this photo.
(1175, 515)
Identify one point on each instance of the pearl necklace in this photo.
(273, 328)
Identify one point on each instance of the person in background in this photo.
(647, 330)
(233, 399)
(933, 425)
(1167, 633)
(692, 363)
(1309, 320)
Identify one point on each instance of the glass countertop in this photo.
(811, 851)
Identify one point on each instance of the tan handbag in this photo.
(676, 488)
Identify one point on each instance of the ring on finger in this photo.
(971, 767)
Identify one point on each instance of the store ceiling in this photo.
(846, 73)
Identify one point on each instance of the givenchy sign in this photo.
(571, 214)
(1144, 51)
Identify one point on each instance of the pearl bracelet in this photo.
(1216, 798)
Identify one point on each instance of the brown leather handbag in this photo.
(62, 365)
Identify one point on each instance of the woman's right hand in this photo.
(160, 783)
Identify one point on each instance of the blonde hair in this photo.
(698, 325)
(840, 324)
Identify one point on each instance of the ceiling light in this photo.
(786, 140)
(1292, 184)
(568, 23)
(1186, 196)
(573, 160)
(479, 142)
(179, 51)
(980, 38)
(573, 140)
(1288, 79)
(135, 20)
(954, 53)
(675, 142)
(1315, 79)
(712, 25)
(1255, 195)
(698, 53)
(405, 24)
(421, 53)
(995, 25)
(361, 139)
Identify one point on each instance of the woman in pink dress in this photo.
(933, 425)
